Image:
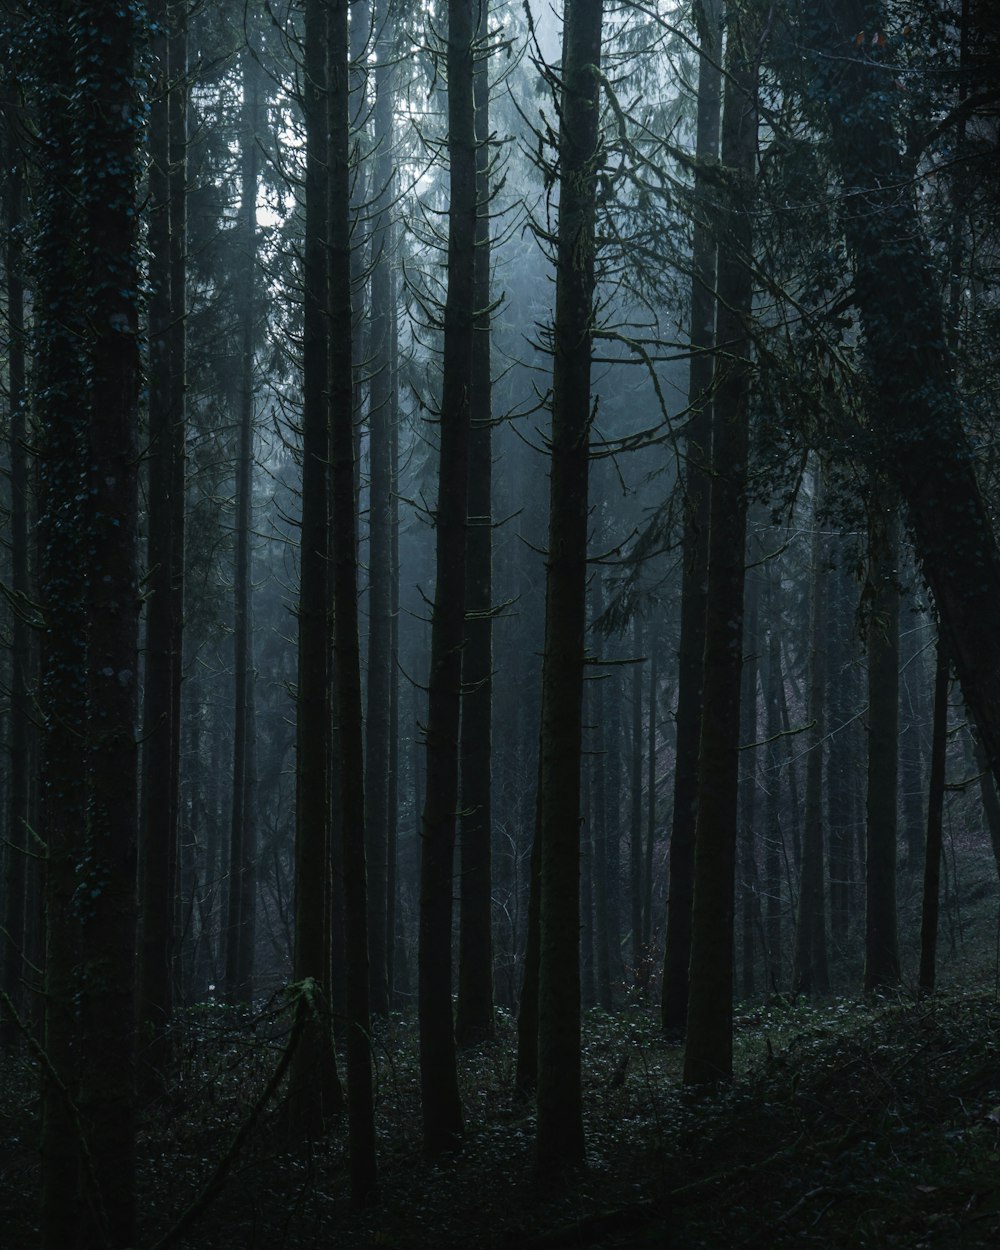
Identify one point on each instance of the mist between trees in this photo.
(499, 521)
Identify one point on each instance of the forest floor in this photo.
(849, 1125)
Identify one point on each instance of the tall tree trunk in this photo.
(935, 814)
(109, 158)
(773, 835)
(177, 335)
(241, 911)
(651, 809)
(840, 758)
(442, 1108)
(346, 636)
(599, 810)
(810, 971)
(560, 1107)
(915, 688)
(474, 1018)
(314, 1088)
(749, 898)
(62, 547)
(694, 583)
(635, 817)
(526, 1070)
(380, 565)
(708, 1056)
(881, 946)
(393, 919)
(19, 724)
(161, 727)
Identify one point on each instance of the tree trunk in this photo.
(380, 566)
(708, 1057)
(810, 973)
(560, 1108)
(314, 1087)
(935, 815)
(242, 901)
(673, 1008)
(161, 728)
(20, 726)
(635, 818)
(651, 810)
(840, 758)
(442, 1108)
(749, 900)
(599, 810)
(774, 839)
(346, 636)
(881, 946)
(474, 1019)
(62, 695)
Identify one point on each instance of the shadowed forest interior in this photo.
(500, 623)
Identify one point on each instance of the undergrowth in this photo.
(848, 1124)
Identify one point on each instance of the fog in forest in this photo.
(500, 624)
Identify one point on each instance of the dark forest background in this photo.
(500, 648)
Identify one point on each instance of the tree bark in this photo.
(694, 576)
(560, 1108)
(161, 726)
(314, 1087)
(19, 724)
(380, 566)
(881, 945)
(810, 973)
(635, 816)
(474, 1018)
(935, 813)
(708, 1056)
(346, 636)
(241, 912)
(442, 1108)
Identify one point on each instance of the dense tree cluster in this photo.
(485, 486)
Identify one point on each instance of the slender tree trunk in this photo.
(109, 154)
(393, 919)
(241, 913)
(159, 730)
(599, 831)
(915, 688)
(560, 1107)
(651, 810)
(881, 946)
(474, 1019)
(635, 819)
(694, 583)
(810, 972)
(749, 900)
(19, 721)
(708, 1055)
(526, 1072)
(935, 814)
(773, 835)
(380, 565)
(63, 643)
(442, 1108)
(346, 637)
(314, 1088)
(840, 758)
(588, 985)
